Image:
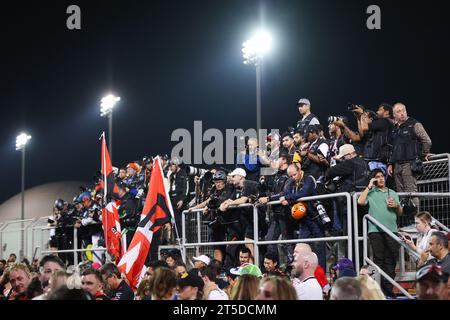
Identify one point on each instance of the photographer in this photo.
(128, 216)
(246, 191)
(249, 160)
(298, 186)
(178, 192)
(64, 229)
(315, 158)
(222, 225)
(281, 222)
(384, 206)
(410, 146)
(289, 146)
(376, 131)
(308, 118)
(337, 136)
(351, 173)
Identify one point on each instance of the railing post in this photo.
(75, 246)
(255, 235)
(183, 235)
(349, 227)
(355, 230)
(199, 233)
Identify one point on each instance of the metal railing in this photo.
(357, 238)
(393, 236)
(256, 242)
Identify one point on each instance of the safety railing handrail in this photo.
(355, 196)
(366, 256)
(392, 235)
(256, 242)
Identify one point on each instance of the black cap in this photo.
(432, 271)
(191, 280)
(309, 129)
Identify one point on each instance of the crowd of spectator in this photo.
(165, 280)
(382, 157)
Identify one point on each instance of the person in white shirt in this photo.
(423, 224)
(210, 290)
(305, 284)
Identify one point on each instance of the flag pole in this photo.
(105, 193)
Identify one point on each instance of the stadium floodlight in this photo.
(107, 104)
(106, 110)
(256, 47)
(22, 140)
(253, 51)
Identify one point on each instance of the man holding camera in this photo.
(410, 145)
(384, 206)
(221, 223)
(315, 158)
(308, 118)
(246, 191)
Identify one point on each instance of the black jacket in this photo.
(354, 174)
(128, 215)
(179, 186)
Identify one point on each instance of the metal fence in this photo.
(197, 242)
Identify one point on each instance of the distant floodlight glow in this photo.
(254, 48)
(22, 140)
(107, 104)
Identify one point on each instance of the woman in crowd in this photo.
(163, 284)
(246, 288)
(276, 288)
(423, 222)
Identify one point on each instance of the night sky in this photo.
(173, 62)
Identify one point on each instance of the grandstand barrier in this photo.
(403, 220)
(257, 243)
(393, 236)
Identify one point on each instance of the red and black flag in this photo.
(157, 212)
(110, 215)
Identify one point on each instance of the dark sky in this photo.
(173, 62)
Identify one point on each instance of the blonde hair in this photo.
(20, 266)
(282, 288)
(246, 288)
(58, 279)
(370, 290)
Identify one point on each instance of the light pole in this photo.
(21, 142)
(253, 51)
(106, 107)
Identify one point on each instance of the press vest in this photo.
(405, 144)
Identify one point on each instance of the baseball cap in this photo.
(344, 263)
(432, 271)
(344, 150)
(303, 101)
(310, 128)
(238, 171)
(205, 259)
(247, 268)
(191, 280)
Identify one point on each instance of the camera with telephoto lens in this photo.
(332, 119)
(193, 171)
(322, 214)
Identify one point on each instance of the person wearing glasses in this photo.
(118, 288)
